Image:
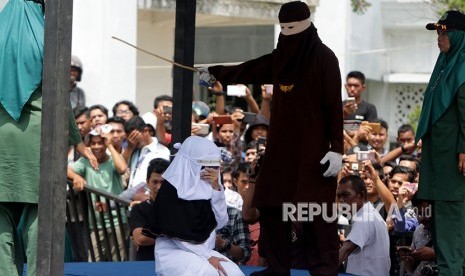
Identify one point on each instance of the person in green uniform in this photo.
(442, 132)
(21, 58)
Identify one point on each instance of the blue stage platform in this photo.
(135, 268)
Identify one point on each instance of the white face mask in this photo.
(296, 27)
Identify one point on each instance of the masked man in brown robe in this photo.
(304, 146)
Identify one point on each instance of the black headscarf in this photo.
(293, 52)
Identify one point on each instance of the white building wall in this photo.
(109, 66)
(154, 76)
(332, 21)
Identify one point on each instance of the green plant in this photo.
(449, 5)
(359, 6)
(414, 117)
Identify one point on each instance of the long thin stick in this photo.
(157, 56)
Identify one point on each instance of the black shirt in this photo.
(365, 112)
(140, 215)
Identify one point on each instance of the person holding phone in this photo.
(307, 99)
(355, 108)
(442, 131)
(189, 208)
(419, 258)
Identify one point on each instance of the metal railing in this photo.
(97, 225)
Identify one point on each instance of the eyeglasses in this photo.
(121, 112)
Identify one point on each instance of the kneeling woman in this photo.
(190, 206)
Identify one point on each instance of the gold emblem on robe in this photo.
(286, 88)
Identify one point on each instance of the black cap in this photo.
(293, 11)
(451, 20)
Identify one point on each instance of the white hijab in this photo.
(184, 172)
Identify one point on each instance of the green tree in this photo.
(450, 5)
(361, 6)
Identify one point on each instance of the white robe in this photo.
(174, 257)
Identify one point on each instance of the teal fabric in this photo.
(447, 77)
(448, 237)
(440, 178)
(21, 47)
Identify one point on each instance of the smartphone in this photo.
(362, 155)
(249, 117)
(356, 166)
(406, 249)
(261, 144)
(204, 128)
(236, 90)
(351, 125)
(268, 89)
(222, 119)
(412, 187)
(167, 109)
(375, 127)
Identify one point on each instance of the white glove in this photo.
(205, 77)
(335, 163)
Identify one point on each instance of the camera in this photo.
(363, 155)
(167, 109)
(356, 166)
(261, 145)
(249, 117)
(430, 270)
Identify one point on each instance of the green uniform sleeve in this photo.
(461, 119)
(74, 137)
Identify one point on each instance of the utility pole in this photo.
(184, 46)
(54, 137)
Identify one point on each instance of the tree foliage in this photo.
(450, 5)
(361, 6)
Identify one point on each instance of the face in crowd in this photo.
(395, 182)
(162, 105)
(124, 112)
(225, 133)
(227, 180)
(98, 147)
(250, 155)
(154, 183)
(97, 118)
(405, 137)
(378, 140)
(242, 183)
(117, 134)
(83, 123)
(354, 87)
(348, 196)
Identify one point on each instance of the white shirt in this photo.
(233, 199)
(140, 162)
(370, 234)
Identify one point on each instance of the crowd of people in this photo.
(137, 155)
(219, 202)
